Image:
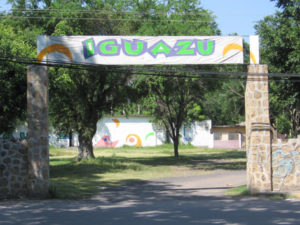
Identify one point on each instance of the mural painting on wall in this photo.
(63, 136)
(148, 135)
(131, 139)
(7, 136)
(117, 122)
(284, 163)
(21, 135)
(105, 142)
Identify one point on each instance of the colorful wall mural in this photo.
(58, 140)
(19, 133)
(132, 131)
(105, 142)
(138, 131)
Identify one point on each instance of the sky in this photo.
(239, 16)
(232, 16)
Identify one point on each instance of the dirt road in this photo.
(174, 201)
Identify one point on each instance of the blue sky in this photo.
(232, 16)
(239, 16)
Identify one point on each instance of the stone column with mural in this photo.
(258, 130)
(38, 150)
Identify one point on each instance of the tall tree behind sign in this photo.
(174, 101)
(280, 49)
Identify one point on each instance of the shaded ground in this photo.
(115, 167)
(188, 200)
(213, 184)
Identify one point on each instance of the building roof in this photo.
(240, 128)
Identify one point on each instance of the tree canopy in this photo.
(15, 42)
(280, 50)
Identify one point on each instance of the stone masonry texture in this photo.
(258, 130)
(38, 129)
(24, 165)
(13, 168)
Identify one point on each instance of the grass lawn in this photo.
(111, 167)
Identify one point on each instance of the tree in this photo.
(79, 98)
(280, 46)
(175, 17)
(225, 105)
(175, 101)
(15, 44)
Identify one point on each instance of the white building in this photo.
(133, 131)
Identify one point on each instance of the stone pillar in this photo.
(258, 130)
(38, 150)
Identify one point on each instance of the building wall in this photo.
(223, 140)
(227, 144)
(198, 134)
(139, 131)
(57, 140)
(132, 131)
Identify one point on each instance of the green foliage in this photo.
(280, 45)
(243, 191)
(238, 191)
(224, 102)
(226, 105)
(175, 101)
(14, 43)
(194, 113)
(175, 17)
(283, 124)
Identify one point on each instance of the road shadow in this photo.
(148, 202)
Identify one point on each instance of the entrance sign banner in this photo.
(254, 49)
(140, 50)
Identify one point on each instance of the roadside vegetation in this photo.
(116, 167)
(242, 191)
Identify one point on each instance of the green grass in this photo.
(113, 167)
(238, 191)
(243, 191)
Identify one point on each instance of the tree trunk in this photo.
(168, 140)
(85, 149)
(174, 134)
(176, 154)
(176, 143)
(70, 139)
